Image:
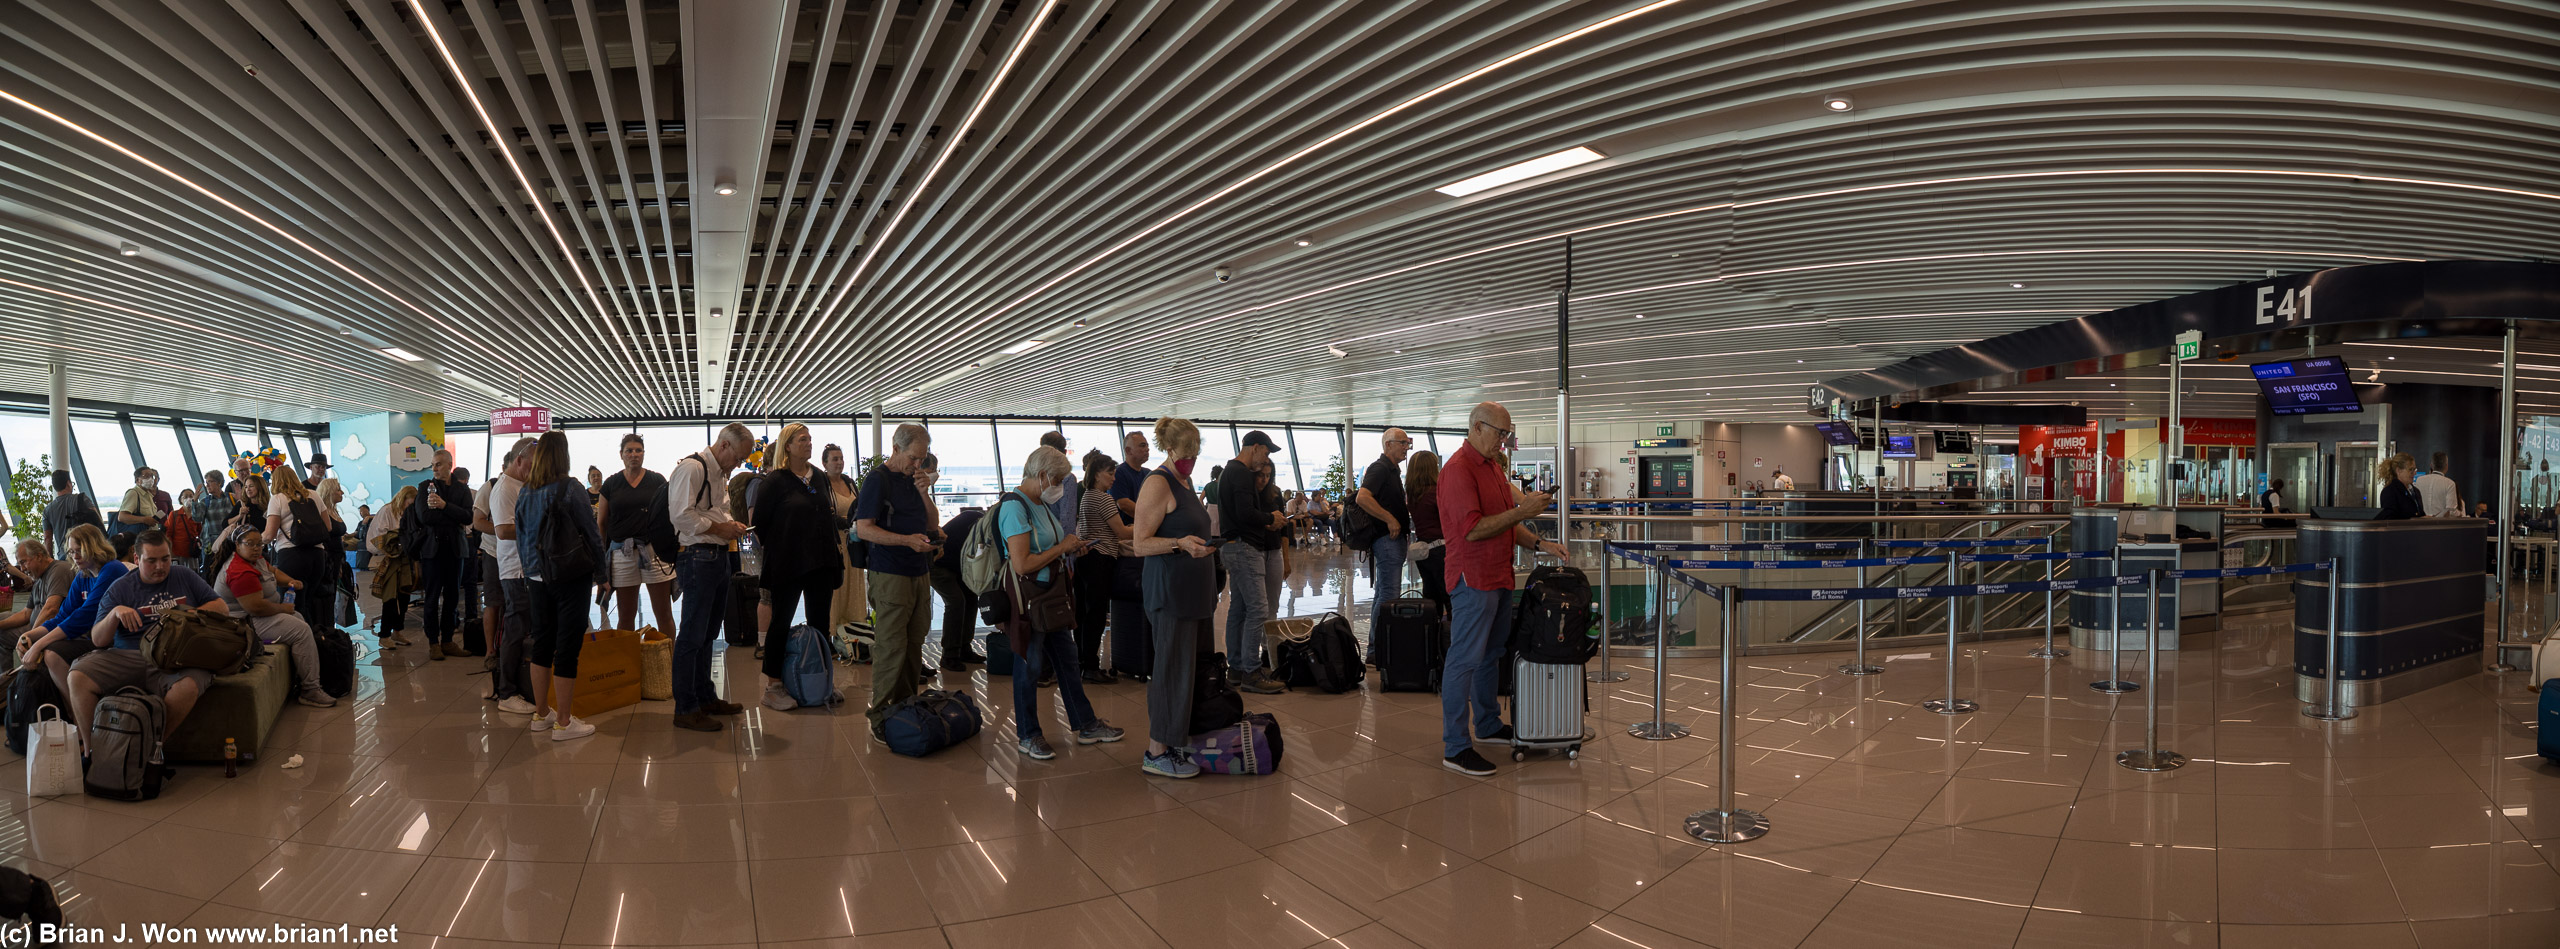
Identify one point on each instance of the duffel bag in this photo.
(931, 721)
(1251, 746)
(1327, 659)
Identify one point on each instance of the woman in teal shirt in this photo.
(1034, 544)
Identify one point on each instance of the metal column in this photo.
(2507, 509)
(59, 412)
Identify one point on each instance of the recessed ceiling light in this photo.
(403, 355)
(1305, 243)
(129, 249)
(1080, 324)
(724, 188)
(1543, 164)
(1023, 347)
(2017, 286)
(1839, 103)
(1639, 316)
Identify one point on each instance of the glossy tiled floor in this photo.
(2426, 822)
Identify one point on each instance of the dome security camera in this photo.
(1223, 274)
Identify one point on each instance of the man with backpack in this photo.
(252, 587)
(959, 602)
(431, 534)
(128, 613)
(68, 509)
(1483, 523)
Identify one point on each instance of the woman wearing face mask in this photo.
(795, 527)
(1034, 542)
(848, 605)
(1181, 591)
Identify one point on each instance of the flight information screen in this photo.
(2315, 386)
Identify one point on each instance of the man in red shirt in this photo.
(1482, 520)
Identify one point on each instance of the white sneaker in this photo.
(541, 723)
(515, 704)
(574, 728)
(779, 699)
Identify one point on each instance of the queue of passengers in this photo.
(1132, 542)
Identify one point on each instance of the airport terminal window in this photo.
(1016, 440)
(1366, 446)
(25, 438)
(599, 447)
(1318, 448)
(1086, 436)
(846, 435)
(1217, 447)
(470, 452)
(109, 462)
(967, 451)
(669, 444)
(207, 443)
(160, 450)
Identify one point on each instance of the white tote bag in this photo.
(53, 755)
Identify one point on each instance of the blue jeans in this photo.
(702, 577)
(1480, 618)
(1247, 607)
(1386, 558)
(1040, 653)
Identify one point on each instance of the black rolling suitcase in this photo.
(739, 624)
(1416, 643)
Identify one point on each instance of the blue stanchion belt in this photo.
(1952, 542)
(1803, 564)
(2029, 586)
(2053, 555)
(1694, 583)
(1675, 547)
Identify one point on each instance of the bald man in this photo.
(1482, 523)
(1381, 494)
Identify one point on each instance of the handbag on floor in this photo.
(1251, 746)
(53, 755)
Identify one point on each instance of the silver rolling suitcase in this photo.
(1547, 703)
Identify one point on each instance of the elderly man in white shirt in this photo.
(698, 503)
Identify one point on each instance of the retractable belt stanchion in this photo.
(1858, 666)
(1604, 673)
(2048, 650)
(2331, 708)
(2150, 757)
(1951, 705)
(2114, 683)
(1727, 824)
(1658, 729)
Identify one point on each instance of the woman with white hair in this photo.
(1181, 591)
(1034, 543)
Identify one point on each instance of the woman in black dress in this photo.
(795, 527)
(2399, 495)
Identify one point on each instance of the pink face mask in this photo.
(1184, 466)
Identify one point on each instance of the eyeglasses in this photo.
(1498, 430)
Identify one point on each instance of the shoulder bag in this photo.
(1046, 607)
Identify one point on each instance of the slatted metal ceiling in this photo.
(923, 185)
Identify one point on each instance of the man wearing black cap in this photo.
(1252, 558)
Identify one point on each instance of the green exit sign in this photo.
(1662, 430)
(2190, 345)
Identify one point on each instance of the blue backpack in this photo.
(809, 671)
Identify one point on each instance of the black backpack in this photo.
(306, 528)
(565, 552)
(1215, 703)
(1553, 623)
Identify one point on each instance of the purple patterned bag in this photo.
(1251, 746)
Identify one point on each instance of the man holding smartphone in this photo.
(1482, 524)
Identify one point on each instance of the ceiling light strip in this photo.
(450, 332)
(916, 192)
(1318, 145)
(506, 150)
